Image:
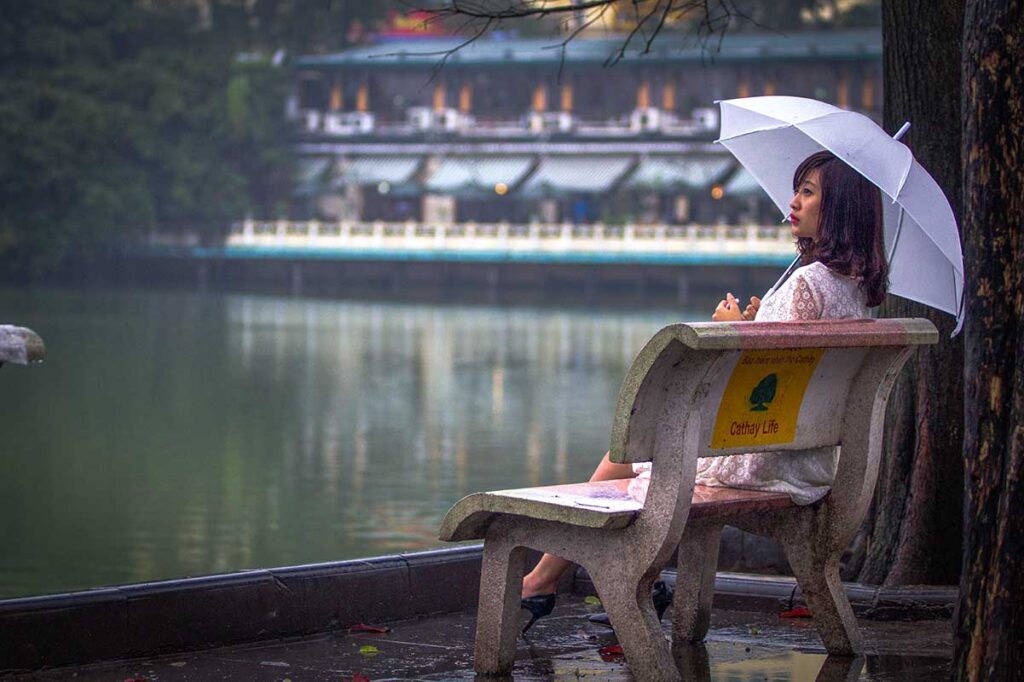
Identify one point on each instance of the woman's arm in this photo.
(799, 298)
(728, 310)
(751, 312)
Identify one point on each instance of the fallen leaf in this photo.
(610, 653)
(798, 612)
(375, 629)
(368, 650)
(755, 631)
(592, 601)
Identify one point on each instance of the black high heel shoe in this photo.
(539, 605)
(660, 593)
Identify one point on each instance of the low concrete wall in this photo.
(195, 613)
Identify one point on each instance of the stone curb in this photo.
(749, 592)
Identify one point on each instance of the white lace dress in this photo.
(813, 292)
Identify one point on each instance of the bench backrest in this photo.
(715, 389)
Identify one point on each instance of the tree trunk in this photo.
(913, 533)
(989, 642)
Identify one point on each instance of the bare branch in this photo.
(563, 46)
(711, 21)
(514, 10)
(445, 55)
(661, 25)
(638, 27)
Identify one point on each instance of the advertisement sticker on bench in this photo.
(762, 400)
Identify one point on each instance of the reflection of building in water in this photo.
(443, 400)
(786, 666)
(508, 132)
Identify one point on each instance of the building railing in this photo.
(765, 240)
(420, 120)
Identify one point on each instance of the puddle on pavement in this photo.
(741, 647)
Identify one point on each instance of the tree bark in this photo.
(989, 643)
(913, 534)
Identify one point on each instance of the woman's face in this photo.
(805, 208)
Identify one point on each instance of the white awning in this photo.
(743, 184)
(371, 170)
(479, 173)
(577, 174)
(311, 174)
(672, 172)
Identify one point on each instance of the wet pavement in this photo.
(741, 646)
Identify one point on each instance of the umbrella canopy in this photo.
(771, 136)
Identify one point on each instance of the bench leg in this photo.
(692, 661)
(818, 577)
(840, 669)
(501, 579)
(647, 652)
(695, 583)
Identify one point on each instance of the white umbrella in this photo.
(771, 136)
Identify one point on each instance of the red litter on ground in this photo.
(797, 612)
(611, 653)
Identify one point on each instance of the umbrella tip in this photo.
(902, 131)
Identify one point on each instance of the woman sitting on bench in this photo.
(836, 218)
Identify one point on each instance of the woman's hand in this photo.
(727, 310)
(751, 312)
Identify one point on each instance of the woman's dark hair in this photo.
(850, 238)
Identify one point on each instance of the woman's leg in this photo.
(543, 579)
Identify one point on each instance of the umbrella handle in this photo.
(790, 269)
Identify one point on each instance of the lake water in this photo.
(175, 434)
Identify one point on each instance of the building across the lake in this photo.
(514, 130)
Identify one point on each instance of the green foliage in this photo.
(120, 118)
(763, 393)
(238, 103)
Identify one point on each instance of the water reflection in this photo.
(176, 434)
(717, 662)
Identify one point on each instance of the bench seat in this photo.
(601, 504)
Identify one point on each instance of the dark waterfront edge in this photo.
(145, 619)
(651, 283)
(195, 613)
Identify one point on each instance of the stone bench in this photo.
(703, 390)
(20, 346)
